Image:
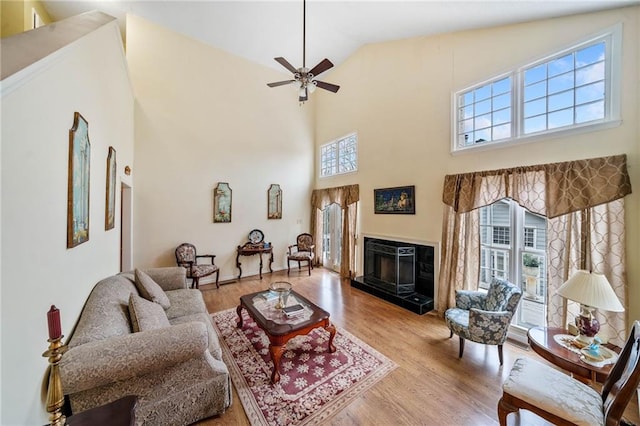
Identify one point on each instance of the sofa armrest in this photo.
(170, 278)
(119, 358)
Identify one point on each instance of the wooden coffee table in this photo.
(542, 341)
(280, 329)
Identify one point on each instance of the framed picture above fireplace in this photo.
(398, 200)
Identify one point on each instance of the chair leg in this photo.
(461, 348)
(288, 267)
(299, 266)
(309, 265)
(217, 277)
(503, 411)
(500, 353)
(196, 282)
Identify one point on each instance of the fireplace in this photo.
(399, 272)
(390, 267)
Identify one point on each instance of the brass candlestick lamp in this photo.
(55, 397)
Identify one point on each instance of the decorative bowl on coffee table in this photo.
(282, 289)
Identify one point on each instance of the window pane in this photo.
(560, 101)
(592, 92)
(502, 132)
(482, 121)
(502, 116)
(561, 118)
(483, 135)
(483, 107)
(467, 126)
(590, 74)
(590, 112)
(466, 112)
(561, 82)
(535, 107)
(502, 101)
(561, 65)
(482, 93)
(535, 91)
(467, 99)
(535, 124)
(502, 86)
(590, 54)
(533, 75)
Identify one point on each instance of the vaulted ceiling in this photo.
(262, 30)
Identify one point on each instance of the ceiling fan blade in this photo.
(327, 86)
(282, 61)
(324, 65)
(280, 83)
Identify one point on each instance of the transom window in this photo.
(339, 156)
(574, 88)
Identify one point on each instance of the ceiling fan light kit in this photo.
(304, 78)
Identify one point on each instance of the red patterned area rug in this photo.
(314, 384)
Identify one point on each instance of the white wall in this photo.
(397, 96)
(38, 270)
(204, 116)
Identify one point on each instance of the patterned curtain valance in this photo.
(343, 195)
(550, 189)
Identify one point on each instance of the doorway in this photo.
(332, 237)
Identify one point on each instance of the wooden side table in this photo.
(117, 413)
(541, 340)
(251, 249)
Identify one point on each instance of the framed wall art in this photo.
(274, 202)
(398, 200)
(110, 202)
(78, 186)
(222, 203)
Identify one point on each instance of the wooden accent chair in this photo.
(484, 317)
(305, 251)
(563, 400)
(187, 257)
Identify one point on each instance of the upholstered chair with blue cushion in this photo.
(484, 317)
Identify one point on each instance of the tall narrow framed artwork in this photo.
(222, 203)
(274, 202)
(78, 184)
(110, 201)
(398, 200)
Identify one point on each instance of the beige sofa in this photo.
(175, 370)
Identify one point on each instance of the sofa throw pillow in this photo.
(146, 315)
(150, 290)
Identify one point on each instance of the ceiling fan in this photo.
(304, 77)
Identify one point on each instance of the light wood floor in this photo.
(430, 386)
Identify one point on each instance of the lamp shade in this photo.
(591, 289)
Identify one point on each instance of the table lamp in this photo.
(592, 291)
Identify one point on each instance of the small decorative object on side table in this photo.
(544, 342)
